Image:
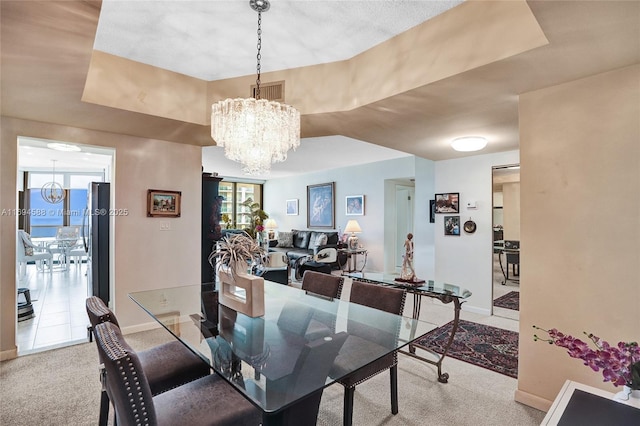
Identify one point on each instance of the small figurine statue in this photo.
(408, 273)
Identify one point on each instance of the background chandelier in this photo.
(52, 192)
(255, 132)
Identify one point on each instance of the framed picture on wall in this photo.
(448, 202)
(321, 205)
(354, 205)
(292, 207)
(432, 211)
(162, 203)
(452, 225)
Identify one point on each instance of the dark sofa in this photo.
(304, 243)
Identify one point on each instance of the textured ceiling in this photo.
(213, 40)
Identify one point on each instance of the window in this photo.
(45, 217)
(234, 195)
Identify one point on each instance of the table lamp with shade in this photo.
(354, 228)
(270, 225)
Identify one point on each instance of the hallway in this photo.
(59, 304)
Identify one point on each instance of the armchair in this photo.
(276, 268)
(30, 252)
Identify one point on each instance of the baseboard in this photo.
(169, 319)
(532, 400)
(476, 310)
(140, 327)
(10, 354)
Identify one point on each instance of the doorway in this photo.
(405, 196)
(57, 290)
(506, 241)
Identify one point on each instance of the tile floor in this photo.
(59, 304)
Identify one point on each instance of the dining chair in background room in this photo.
(166, 366)
(209, 400)
(28, 251)
(368, 339)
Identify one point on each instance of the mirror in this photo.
(506, 241)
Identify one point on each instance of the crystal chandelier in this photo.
(52, 192)
(255, 132)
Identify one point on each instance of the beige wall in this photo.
(580, 181)
(145, 257)
(511, 211)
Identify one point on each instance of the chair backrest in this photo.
(511, 244)
(98, 312)
(127, 385)
(68, 233)
(21, 244)
(386, 299)
(322, 284)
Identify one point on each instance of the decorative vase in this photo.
(628, 395)
(251, 303)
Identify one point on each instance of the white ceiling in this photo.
(214, 40)
(313, 155)
(33, 154)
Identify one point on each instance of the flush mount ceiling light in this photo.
(471, 143)
(63, 147)
(255, 132)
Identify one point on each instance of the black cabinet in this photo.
(211, 230)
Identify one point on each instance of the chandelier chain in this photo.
(258, 56)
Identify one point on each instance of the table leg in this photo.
(417, 302)
(504, 274)
(442, 377)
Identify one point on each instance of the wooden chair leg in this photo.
(394, 389)
(348, 406)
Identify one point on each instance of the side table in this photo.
(352, 260)
(578, 404)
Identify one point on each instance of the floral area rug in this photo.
(493, 348)
(510, 300)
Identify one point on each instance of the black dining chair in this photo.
(166, 366)
(362, 337)
(209, 400)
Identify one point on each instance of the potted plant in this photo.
(620, 363)
(257, 216)
(234, 254)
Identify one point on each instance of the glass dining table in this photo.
(445, 293)
(282, 361)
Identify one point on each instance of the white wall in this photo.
(467, 260)
(423, 236)
(368, 180)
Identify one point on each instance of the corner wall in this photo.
(145, 257)
(580, 224)
(467, 260)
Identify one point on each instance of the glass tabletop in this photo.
(297, 348)
(429, 286)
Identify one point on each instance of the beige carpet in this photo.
(61, 387)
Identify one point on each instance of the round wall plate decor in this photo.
(470, 227)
